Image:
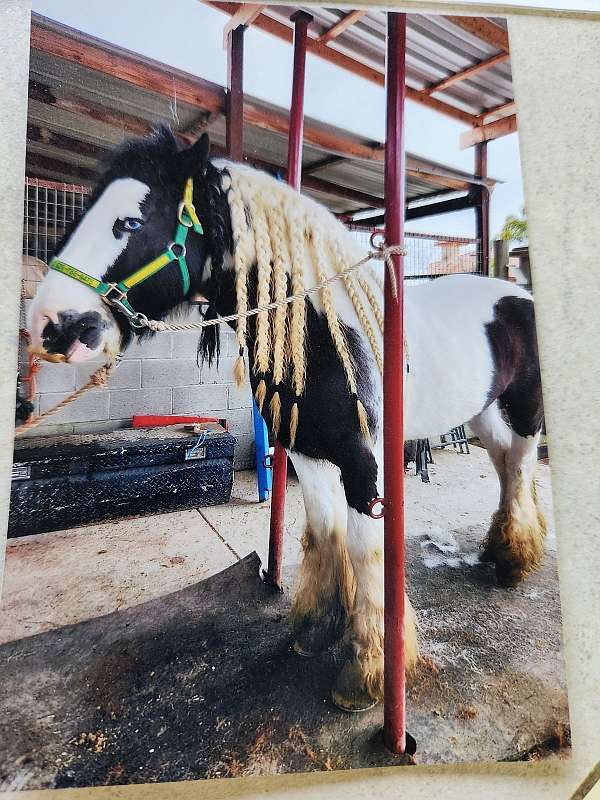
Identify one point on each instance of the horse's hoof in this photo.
(316, 635)
(349, 692)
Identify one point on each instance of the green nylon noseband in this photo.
(115, 294)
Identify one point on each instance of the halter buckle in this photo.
(119, 302)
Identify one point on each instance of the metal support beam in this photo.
(482, 210)
(429, 210)
(234, 104)
(394, 719)
(294, 173)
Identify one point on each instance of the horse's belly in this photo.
(451, 368)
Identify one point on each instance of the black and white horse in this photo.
(472, 357)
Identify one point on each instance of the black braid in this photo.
(220, 242)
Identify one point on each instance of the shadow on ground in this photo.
(203, 683)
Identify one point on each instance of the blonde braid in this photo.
(376, 308)
(264, 256)
(337, 335)
(365, 322)
(296, 228)
(239, 225)
(281, 267)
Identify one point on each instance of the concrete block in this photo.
(239, 396)
(124, 403)
(239, 421)
(56, 378)
(200, 400)
(169, 372)
(223, 373)
(185, 344)
(126, 376)
(158, 346)
(89, 407)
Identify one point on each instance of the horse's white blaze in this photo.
(92, 248)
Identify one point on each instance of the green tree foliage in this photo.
(514, 229)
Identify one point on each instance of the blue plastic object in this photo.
(261, 438)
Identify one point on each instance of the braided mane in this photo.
(281, 232)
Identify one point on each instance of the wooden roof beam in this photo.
(85, 108)
(245, 15)
(342, 25)
(503, 108)
(317, 48)
(483, 29)
(467, 73)
(489, 132)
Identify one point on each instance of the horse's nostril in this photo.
(87, 328)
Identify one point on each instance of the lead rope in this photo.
(100, 377)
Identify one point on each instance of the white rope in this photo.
(385, 255)
(100, 377)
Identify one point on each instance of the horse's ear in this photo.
(197, 155)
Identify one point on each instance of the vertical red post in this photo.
(301, 22)
(394, 729)
(482, 209)
(234, 120)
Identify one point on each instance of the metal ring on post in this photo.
(373, 240)
(268, 461)
(374, 502)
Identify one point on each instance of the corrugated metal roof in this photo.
(436, 48)
(76, 114)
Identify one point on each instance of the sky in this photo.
(188, 35)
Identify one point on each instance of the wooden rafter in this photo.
(376, 76)
(199, 93)
(43, 135)
(503, 108)
(85, 108)
(328, 161)
(483, 29)
(342, 25)
(245, 15)
(71, 173)
(486, 133)
(474, 69)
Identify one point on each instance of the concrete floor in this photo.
(60, 578)
(194, 675)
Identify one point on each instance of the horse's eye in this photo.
(126, 225)
(132, 224)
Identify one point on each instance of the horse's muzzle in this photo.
(73, 335)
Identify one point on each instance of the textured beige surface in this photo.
(556, 65)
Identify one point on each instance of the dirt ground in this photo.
(492, 685)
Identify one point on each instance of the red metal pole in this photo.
(301, 22)
(482, 209)
(394, 723)
(234, 121)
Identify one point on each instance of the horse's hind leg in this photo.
(325, 590)
(515, 539)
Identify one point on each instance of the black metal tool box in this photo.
(64, 481)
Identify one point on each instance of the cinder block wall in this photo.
(158, 376)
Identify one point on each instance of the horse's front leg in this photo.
(360, 682)
(325, 590)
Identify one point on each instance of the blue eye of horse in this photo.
(132, 224)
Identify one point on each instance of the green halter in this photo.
(115, 294)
